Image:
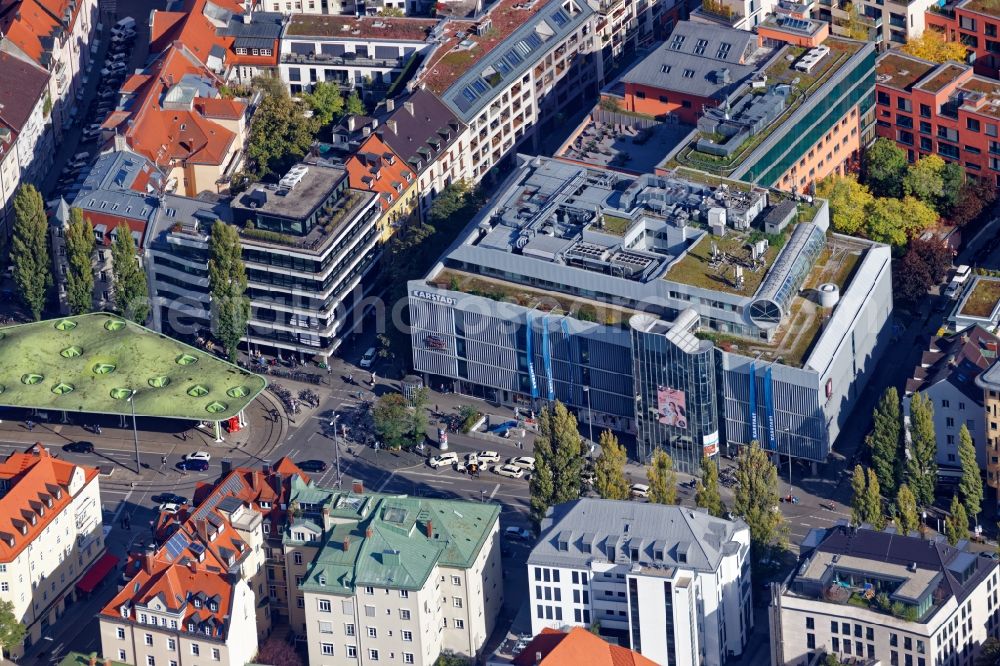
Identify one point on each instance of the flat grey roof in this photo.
(302, 199)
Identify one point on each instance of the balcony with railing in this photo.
(345, 60)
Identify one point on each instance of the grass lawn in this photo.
(91, 363)
(983, 299)
(693, 268)
(616, 225)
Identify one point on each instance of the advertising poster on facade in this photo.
(671, 406)
(710, 445)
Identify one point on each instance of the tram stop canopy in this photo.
(94, 363)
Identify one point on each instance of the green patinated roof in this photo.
(386, 538)
(91, 363)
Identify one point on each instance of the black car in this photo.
(193, 465)
(79, 447)
(170, 498)
(312, 466)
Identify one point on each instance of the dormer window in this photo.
(197, 603)
(241, 51)
(208, 630)
(24, 528)
(265, 505)
(33, 519)
(322, 580)
(191, 627)
(213, 606)
(124, 610)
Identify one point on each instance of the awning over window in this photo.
(97, 572)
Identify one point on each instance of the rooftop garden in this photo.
(983, 298)
(988, 7)
(613, 224)
(697, 269)
(93, 363)
(942, 78)
(544, 301)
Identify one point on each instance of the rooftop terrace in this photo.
(699, 268)
(988, 7)
(942, 77)
(982, 299)
(92, 363)
(901, 71)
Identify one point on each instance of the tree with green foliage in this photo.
(859, 484)
(354, 106)
(29, 250)
(326, 102)
(662, 479)
(419, 403)
(922, 463)
(873, 502)
(131, 295)
(907, 517)
(952, 182)
(831, 660)
(707, 495)
(756, 501)
(885, 442)
(609, 469)
(448, 658)
(227, 280)
(924, 180)
(883, 167)
(280, 135)
(989, 654)
(848, 200)
(956, 526)
(558, 460)
(970, 487)
(391, 12)
(895, 221)
(80, 245)
(392, 420)
(12, 632)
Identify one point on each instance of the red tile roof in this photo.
(199, 34)
(31, 25)
(21, 86)
(226, 109)
(577, 647)
(376, 168)
(38, 489)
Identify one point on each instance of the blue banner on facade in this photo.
(547, 358)
(772, 439)
(754, 430)
(531, 358)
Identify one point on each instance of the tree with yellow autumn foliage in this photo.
(932, 45)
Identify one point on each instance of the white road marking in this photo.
(495, 489)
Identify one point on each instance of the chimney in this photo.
(267, 467)
(392, 125)
(193, 566)
(347, 543)
(147, 561)
(429, 528)
(409, 107)
(253, 481)
(390, 105)
(369, 532)
(351, 122)
(201, 525)
(991, 345)
(279, 482)
(357, 486)
(366, 131)
(538, 657)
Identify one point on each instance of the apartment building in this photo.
(374, 167)
(391, 578)
(368, 54)
(309, 245)
(50, 537)
(26, 134)
(807, 134)
(974, 24)
(668, 582)
(946, 110)
(881, 596)
(896, 21)
(595, 276)
(512, 71)
(989, 382)
(180, 605)
(431, 140)
(737, 14)
(947, 375)
(173, 114)
(565, 648)
(55, 36)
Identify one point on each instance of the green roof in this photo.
(91, 363)
(80, 659)
(386, 538)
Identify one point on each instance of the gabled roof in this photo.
(37, 491)
(33, 27)
(209, 28)
(574, 648)
(377, 168)
(21, 86)
(957, 358)
(420, 129)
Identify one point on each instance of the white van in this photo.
(127, 24)
(954, 287)
(368, 358)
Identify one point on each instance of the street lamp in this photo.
(788, 450)
(135, 431)
(336, 446)
(590, 414)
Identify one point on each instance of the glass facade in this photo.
(675, 396)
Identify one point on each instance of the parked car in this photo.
(368, 358)
(510, 471)
(199, 455)
(518, 533)
(488, 456)
(443, 460)
(79, 447)
(193, 465)
(527, 463)
(587, 477)
(312, 465)
(170, 498)
(169, 507)
(639, 490)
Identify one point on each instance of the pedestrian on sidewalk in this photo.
(30, 425)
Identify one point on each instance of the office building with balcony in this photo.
(310, 244)
(946, 110)
(394, 579)
(737, 14)
(51, 544)
(882, 597)
(578, 283)
(822, 124)
(368, 53)
(668, 582)
(512, 70)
